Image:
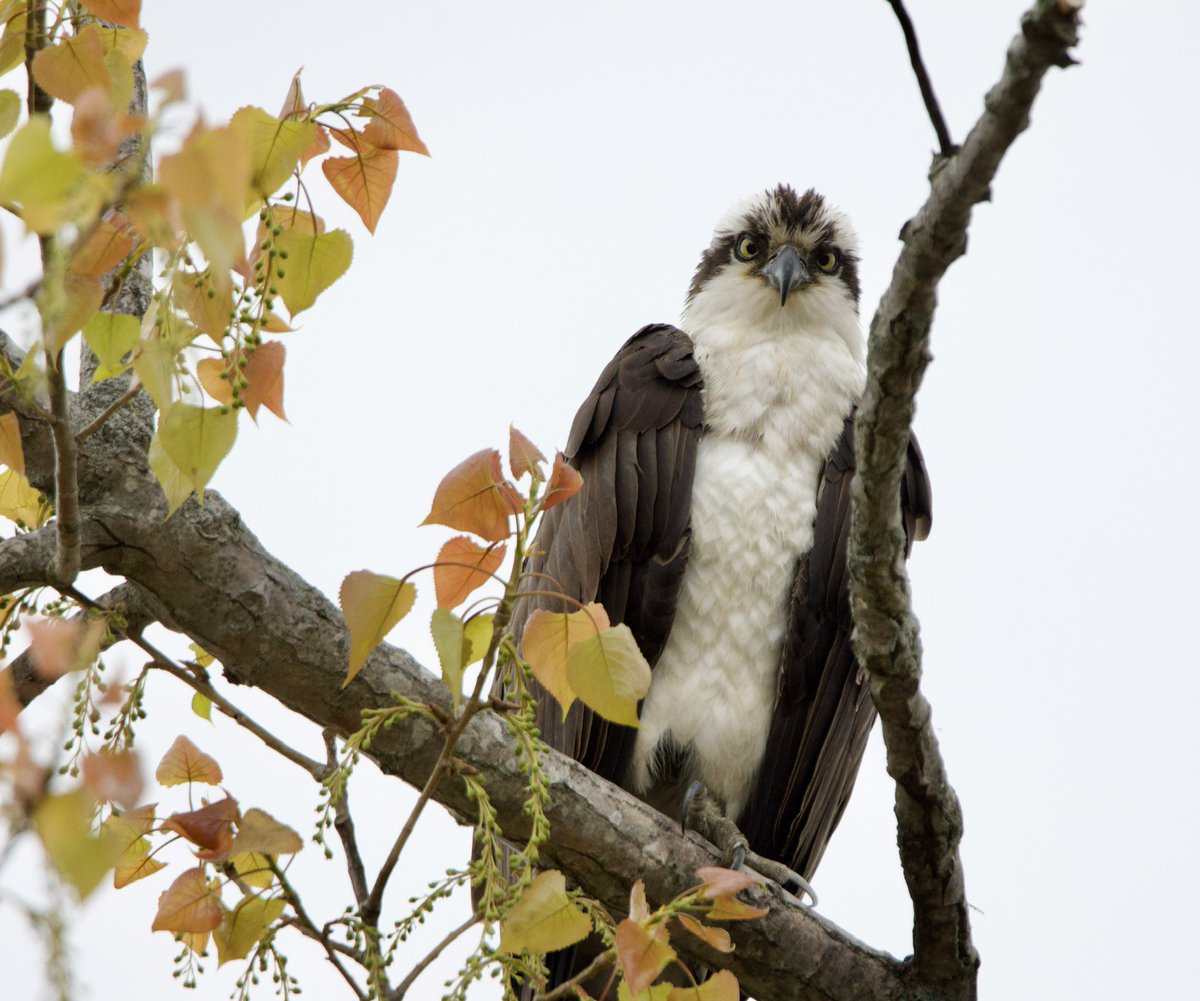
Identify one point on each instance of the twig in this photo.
(886, 634)
(105, 414)
(930, 98)
(437, 950)
(305, 925)
(343, 823)
(567, 986)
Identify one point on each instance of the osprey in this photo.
(713, 519)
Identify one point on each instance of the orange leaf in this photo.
(124, 12)
(190, 904)
(565, 483)
(523, 455)
(729, 908)
(719, 881)
(643, 955)
(210, 827)
(365, 181)
(294, 104)
(264, 375)
(114, 777)
(76, 63)
(639, 910)
(107, 246)
(474, 497)
(185, 762)
(453, 582)
(57, 647)
(548, 639)
(718, 938)
(319, 145)
(172, 84)
(209, 371)
(208, 300)
(11, 452)
(391, 126)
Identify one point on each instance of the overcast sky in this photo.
(581, 156)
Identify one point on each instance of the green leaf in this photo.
(544, 918)
(40, 178)
(176, 486)
(609, 674)
(275, 146)
(196, 439)
(371, 605)
(313, 264)
(245, 925)
(111, 336)
(10, 111)
(202, 706)
(447, 629)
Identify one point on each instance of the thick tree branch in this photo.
(886, 636)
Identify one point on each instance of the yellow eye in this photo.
(828, 261)
(747, 248)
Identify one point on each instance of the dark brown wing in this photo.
(823, 713)
(623, 539)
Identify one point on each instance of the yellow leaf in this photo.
(475, 497)
(19, 502)
(477, 637)
(210, 177)
(364, 181)
(447, 629)
(202, 706)
(129, 41)
(190, 904)
(76, 63)
(64, 823)
(125, 12)
(544, 918)
(254, 868)
(208, 303)
(371, 605)
(40, 178)
(243, 927)
(12, 42)
(609, 674)
(185, 762)
(176, 486)
(391, 126)
(260, 832)
(126, 833)
(10, 111)
(313, 264)
(12, 454)
(196, 439)
(548, 639)
(655, 992)
(111, 336)
(461, 567)
(275, 146)
(643, 954)
(721, 986)
(200, 656)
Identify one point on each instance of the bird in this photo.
(716, 459)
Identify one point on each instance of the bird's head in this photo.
(778, 261)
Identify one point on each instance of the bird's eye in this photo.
(746, 249)
(828, 261)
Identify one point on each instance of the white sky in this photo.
(582, 154)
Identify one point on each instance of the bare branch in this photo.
(343, 823)
(945, 143)
(886, 632)
(66, 478)
(450, 938)
(129, 394)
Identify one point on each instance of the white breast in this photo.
(774, 407)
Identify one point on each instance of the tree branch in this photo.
(886, 632)
(945, 143)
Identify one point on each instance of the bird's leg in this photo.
(704, 814)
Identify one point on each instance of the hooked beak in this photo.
(787, 271)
